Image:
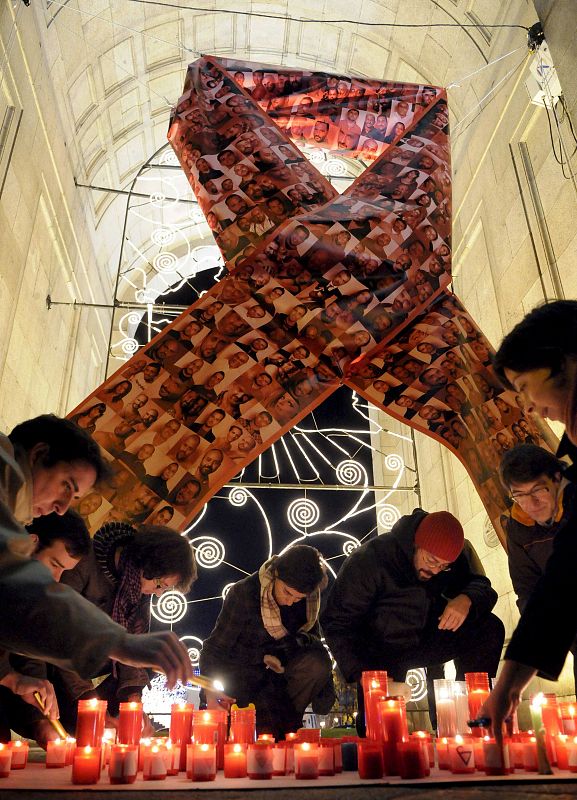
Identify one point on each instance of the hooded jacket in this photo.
(377, 599)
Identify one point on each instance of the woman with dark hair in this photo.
(115, 394)
(538, 360)
(266, 643)
(125, 567)
(88, 419)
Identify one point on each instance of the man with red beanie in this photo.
(410, 598)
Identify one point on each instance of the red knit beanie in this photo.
(441, 534)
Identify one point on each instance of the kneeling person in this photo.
(266, 645)
(409, 599)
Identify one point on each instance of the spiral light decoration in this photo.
(351, 473)
(303, 513)
(349, 546)
(170, 607)
(162, 236)
(387, 515)
(417, 680)
(194, 645)
(165, 262)
(209, 551)
(394, 462)
(237, 497)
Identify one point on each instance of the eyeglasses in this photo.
(537, 493)
(432, 563)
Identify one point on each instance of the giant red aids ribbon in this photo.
(322, 289)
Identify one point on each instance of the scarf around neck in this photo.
(270, 609)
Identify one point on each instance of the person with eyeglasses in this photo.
(410, 598)
(125, 566)
(542, 498)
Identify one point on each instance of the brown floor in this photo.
(486, 791)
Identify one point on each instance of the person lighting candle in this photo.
(266, 644)
(538, 360)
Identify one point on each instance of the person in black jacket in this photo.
(542, 498)
(266, 646)
(409, 599)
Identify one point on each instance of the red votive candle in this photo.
(90, 722)
(220, 717)
(86, 765)
(203, 762)
(19, 753)
(123, 763)
(393, 724)
(496, 757)
(560, 743)
(5, 760)
(461, 755)
(306, 760)
(443, 753)
(375, 688)
(425, 738)
(370, 759)
(55, 753)
(572, 754)
(181, 728)
(153, 764)
(568, 715)
(235, 760)
(259, 760)
(242, 724)
(477, 692)
(412, 759)
(279, 753)
(204, 729)
(129, 723)
(326, 757)
(171, 757)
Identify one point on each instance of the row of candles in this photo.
(198, 743)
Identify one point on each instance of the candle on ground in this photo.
(370, 759)
(259, 760)
(5, 760)
(572, 754)
(306, 761)
(203, 757)
(153, 764)
(568, 718)
(86, 765)
(123, 763)
(56, 753)
(279, 752)
(461, 755)
(181, 728)
(235, 760)
(90, 722)
(375, 688)
(129, 723)
(19, 754)
(413, 759)
(496, 757)
(326, 757)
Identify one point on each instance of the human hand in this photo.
(25, 687)
(216, 700)
(148, 728)
(455, 613)
(272, 662)
(162, 651)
